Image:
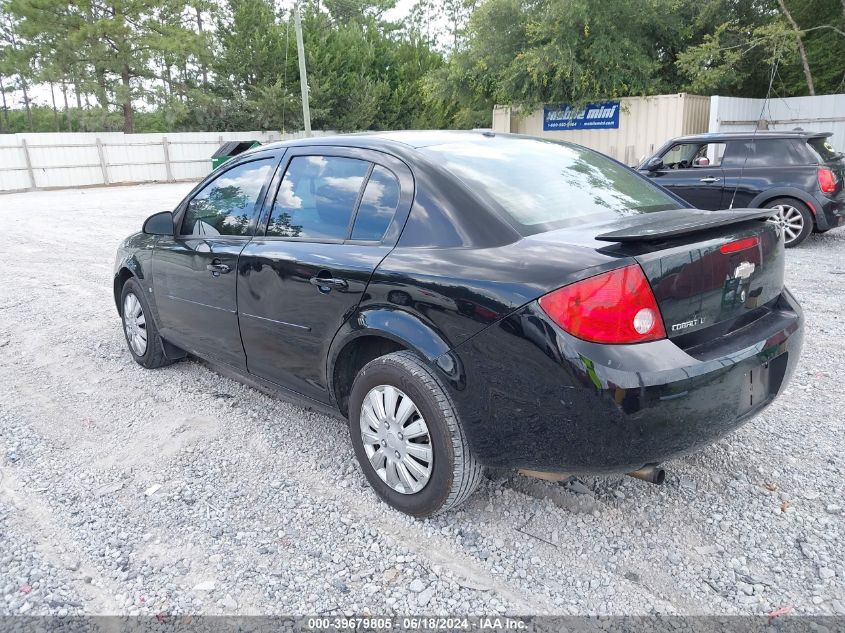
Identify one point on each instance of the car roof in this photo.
(477, 225)
(409, 139)
(761, 134)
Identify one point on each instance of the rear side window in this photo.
(824, 150)
(542, 185)
(762, 153)
(317, 197)
(378, 205)
(225, 205)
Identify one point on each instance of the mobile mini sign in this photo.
(593, 116)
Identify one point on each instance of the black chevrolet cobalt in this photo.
(469, 300)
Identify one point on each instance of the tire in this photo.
(452, 471)
(151, 355)
(794, 218)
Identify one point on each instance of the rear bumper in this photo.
(532, 396)
(830, 212)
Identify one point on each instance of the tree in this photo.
(116, 42)
(799, 42)
(825, 48)
(14, 58)
(158, 65)
(736, 55)
(3, 90)
(539, 51)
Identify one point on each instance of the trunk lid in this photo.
(705, 268)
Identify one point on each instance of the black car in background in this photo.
(798, 173)
(469, 299)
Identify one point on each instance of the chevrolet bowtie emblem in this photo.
(744, 270)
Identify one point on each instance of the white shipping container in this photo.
(645, 123)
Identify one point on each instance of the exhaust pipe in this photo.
(652, 473)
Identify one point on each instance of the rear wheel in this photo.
(407, 437)
(794, 219)
(140, 330)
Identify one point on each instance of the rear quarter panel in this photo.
(459, 292)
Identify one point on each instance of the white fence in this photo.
(824, 113)
(46, 161)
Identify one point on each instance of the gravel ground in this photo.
(130, 491)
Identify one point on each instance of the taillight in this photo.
(739, 245)
(614, 307)
(827, 181)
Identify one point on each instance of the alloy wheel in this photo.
(790, 220)
(396, 439)
(135, 324)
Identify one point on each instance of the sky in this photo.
(402, 8)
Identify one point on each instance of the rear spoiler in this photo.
(661, 225)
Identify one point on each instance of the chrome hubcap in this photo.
(396, 439)
(790, 220)
(135, 324)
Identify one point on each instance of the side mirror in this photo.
(159, 224)
(654, 164)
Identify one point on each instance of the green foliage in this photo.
(737, 55)
(177, 65)
(537, 51)
(825, 48)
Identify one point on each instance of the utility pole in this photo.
(303, 77)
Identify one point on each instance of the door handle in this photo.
(216, 267)
(710, 179)
(325, 284)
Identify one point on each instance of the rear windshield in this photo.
(543, 185)
(824, 149)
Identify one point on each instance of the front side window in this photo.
(225, 205)
(378, 204)
(317, 197)
(680, 156)
(543, 185)
(692, 155)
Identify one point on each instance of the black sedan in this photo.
(469, 300)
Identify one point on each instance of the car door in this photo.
(693, 172)
(330, 219)
(753, 165)
(194, 272)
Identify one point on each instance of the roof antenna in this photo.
(757, 127)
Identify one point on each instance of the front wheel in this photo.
(794, 219)
(140, 330)
(407, 437)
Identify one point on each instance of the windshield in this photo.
(544, 185)
(824, 149)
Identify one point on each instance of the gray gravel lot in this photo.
(130, 491)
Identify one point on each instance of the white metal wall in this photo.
(645, 123)
(55, 160)
(825, 113)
